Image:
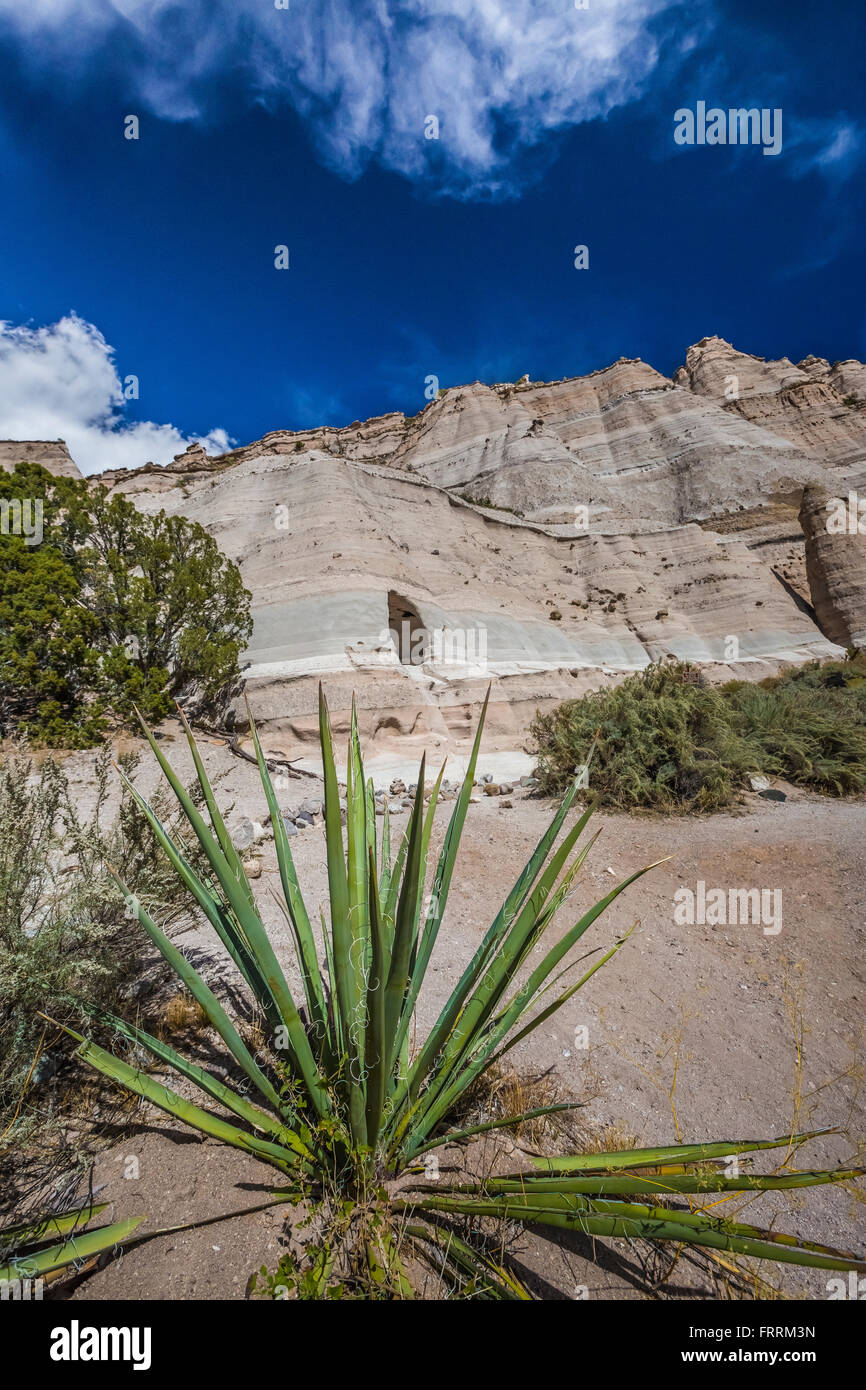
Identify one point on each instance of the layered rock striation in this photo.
(554, 535)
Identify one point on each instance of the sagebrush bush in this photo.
(65, 934)
(670, 741)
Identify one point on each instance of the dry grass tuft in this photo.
(182, 1014)
(503, 1095)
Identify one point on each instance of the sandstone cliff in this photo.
(577, 529)
(51, 453)
(836, 564)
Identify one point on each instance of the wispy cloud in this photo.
(60, 382)
(831, 146)
(498, 75)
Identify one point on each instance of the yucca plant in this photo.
(344, 1107)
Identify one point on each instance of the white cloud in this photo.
(60, 382)
(498, 74)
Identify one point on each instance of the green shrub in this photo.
(670, 741)
(110, 608)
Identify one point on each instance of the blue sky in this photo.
(409, 257)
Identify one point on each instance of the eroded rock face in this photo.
(364, 543)
(558, 535)
(50, 453)
(193, 458)
(836, 564)
(816, 407)
(639, 450)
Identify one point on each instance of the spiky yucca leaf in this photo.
(346, 1109)
(34, 1252)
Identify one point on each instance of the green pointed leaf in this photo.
(257, 938)
(216, 1014)
(670, 1153)
(47, 1227)
(377, 1042)
(294, 906)
(348, 997)
(282, 1156)
(83, 1245)
(211, 1085)
(407, 907)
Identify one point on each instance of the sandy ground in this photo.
(691, 1031)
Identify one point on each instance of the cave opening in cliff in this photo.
(408, 632)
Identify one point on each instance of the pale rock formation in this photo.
(363, 542)
(637, 450)
(192, 460)
(366, 549)
(810, 404)
(836, 567)
(50, 453)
